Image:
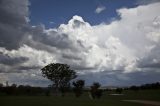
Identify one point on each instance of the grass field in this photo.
(70, 100)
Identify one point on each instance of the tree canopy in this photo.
(59, 74)
(78, 87)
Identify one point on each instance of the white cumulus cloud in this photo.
(99, 9)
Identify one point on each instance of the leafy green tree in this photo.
(78, 87)
(59, 74)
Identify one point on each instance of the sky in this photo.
(113, 42)
(52, 13)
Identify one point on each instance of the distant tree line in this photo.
(145, 86)
(21, 90)
(152, 86)
(78, 88)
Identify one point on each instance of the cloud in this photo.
(24, 60)
(13, 22)
(99, 9)
(146, 2)
(51, 22)
(121, 51)
(116, 78)
(7, 60)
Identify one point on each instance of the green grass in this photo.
(70, 100)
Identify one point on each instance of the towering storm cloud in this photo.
(123, 52)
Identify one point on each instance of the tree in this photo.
(1, 87)
(78, 87)
(59, 74)
(95, 91)
(119, 90)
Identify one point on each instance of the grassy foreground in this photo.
(70, 100)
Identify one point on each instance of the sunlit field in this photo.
(70, 100)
